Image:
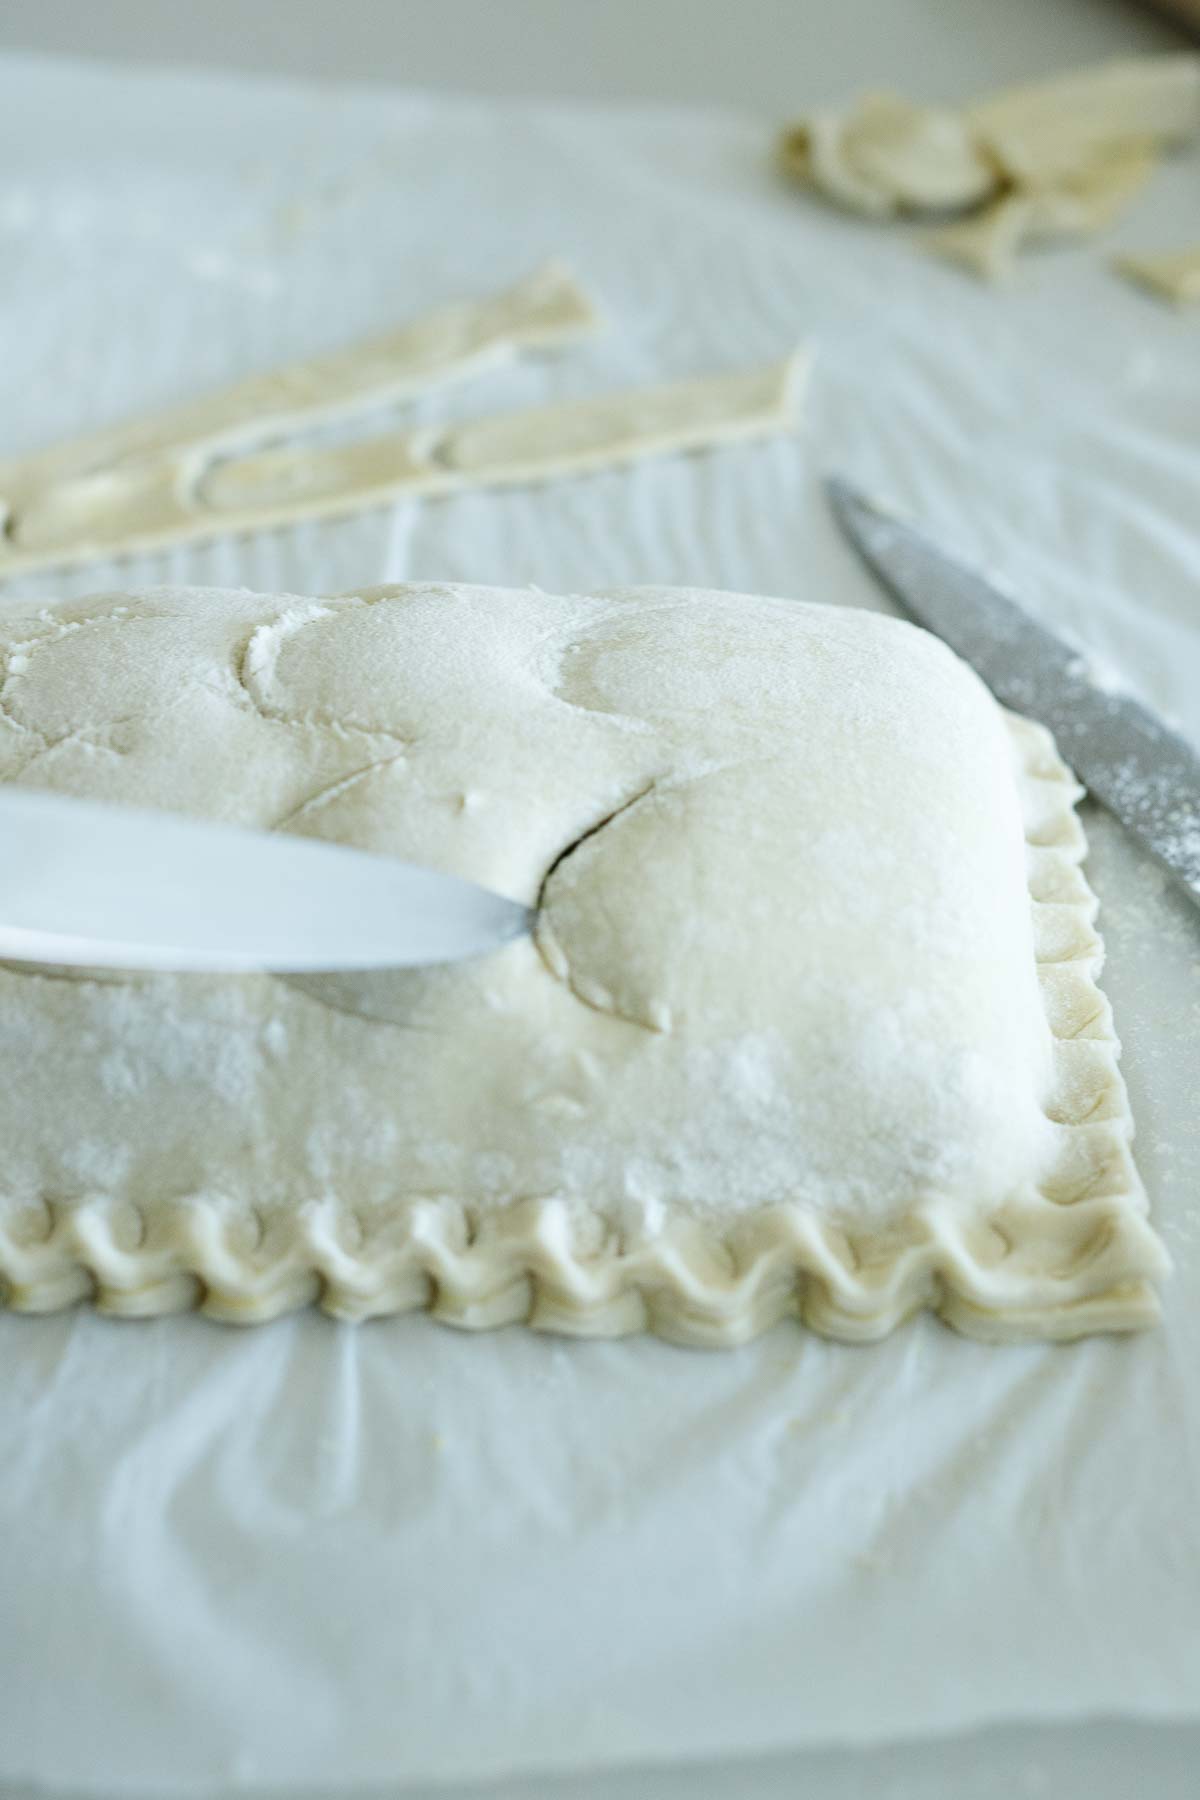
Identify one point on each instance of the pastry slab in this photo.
(810, 1024)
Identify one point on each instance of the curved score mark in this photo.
(551, 954)
(245, 681)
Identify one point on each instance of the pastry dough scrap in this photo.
(153, 503)
(809, 1025)
(1058, 158)
(546, 310)
(989, 242)
(1172, 274)
(884, 155)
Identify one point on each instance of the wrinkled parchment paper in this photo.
(314, 1556)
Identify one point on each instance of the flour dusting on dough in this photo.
(787, 992)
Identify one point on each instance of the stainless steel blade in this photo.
(114, 887)
(1125, 755)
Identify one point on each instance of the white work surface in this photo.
(313, 1558)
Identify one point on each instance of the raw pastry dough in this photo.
(547, 310)
(1173, 274)
(988, 242)
(173, 499)
(809, 1026)
(1058, 158)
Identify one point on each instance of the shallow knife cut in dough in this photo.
(809, 1026)
(1056, 158)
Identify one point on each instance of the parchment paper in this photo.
(314, 1556)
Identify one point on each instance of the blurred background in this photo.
(757, 53)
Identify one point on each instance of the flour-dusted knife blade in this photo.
(115, 887)
(1128, 758)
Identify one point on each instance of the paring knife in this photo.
(1128, 758)
(115, 887)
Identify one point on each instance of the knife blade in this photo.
(1126, 756)
(116, 887)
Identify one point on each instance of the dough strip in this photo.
(148, 505)
(546, 309)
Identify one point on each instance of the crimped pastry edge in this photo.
(1074, 1256)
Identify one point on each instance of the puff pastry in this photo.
(160, 501)
(1059, 158)
(809, 1026)
(1172, 274)
(197, 470)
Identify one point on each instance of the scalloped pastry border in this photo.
(1075, 1255)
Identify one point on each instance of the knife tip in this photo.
(838, 491)
(852, 503)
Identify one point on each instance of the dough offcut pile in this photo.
(809, 1025)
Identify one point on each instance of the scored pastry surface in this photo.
(809, 1025)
